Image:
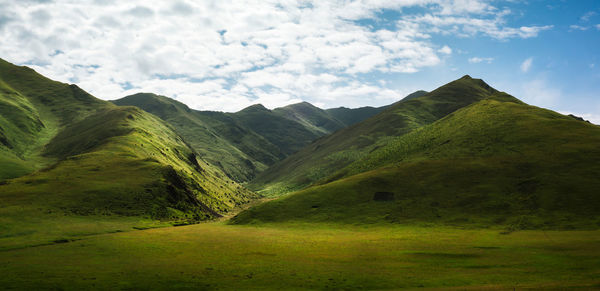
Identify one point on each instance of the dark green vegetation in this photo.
(213, 256)
(464, 187)
(331, 153)
(315, 119)
(497, 161)
(351, 116)
(219, 138)
(72, 154)
(244, 143)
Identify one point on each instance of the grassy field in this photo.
(312, 256)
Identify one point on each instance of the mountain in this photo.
(497, 161)
(66, 151)
(217, 137)
(331, 153)
(351, 116)
(288, 135)
(313, 118)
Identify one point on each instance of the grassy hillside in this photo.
(334, 152)
(496, 162)
(32, 109)
(218, 138)
(96, 161)
(315, 119)
(288, 135)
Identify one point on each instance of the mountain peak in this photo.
(466, 77)
(255, 108)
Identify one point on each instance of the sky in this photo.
(228, 54)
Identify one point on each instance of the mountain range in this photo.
(463, 154)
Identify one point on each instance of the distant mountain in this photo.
(243, 143)
(313, 118)
(351, 116)
(66, 151)
(217, 137)
(489, 160)
(331, 153)
(414, 95)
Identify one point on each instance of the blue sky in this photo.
(226, 55)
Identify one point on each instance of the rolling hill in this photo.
(328, 154)
(497, 161)
(64, 151)
(245, 143)
(217, 137)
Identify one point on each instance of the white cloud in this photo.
(223, 55)
(540, 93)
(526, 65)
(586, 17)
(598, 26)
(445, 50)
(476, 60)
(577, 27)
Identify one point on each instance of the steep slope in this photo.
(315, 119)
(288, 135)
(32, 108)
(331, 153)
(94, 158)
(496, 162)
(218, 138)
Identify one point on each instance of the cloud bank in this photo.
(226, 55)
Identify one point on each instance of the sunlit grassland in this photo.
(309, 256)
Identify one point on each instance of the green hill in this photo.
(495, 162)
(288, 135)
(331, 153)
(351, 116)
(32, 108)
(315, 119)
(64, 151)
(217, 137)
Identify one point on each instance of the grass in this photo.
(66, 152)
(216, 256)
(329, 154)
(311, 117)
(217, 137)
(497, 162)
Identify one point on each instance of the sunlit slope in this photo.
(334, 152)
(218, 138)
(496, 162)
(91, 157)
(125, 161)
(32, 110)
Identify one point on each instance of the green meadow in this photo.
(215, 256)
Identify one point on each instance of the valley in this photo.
(463, 187)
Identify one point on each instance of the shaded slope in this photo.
(313, 118)
(351, 116)
(496, 162)
(331, 153)
(288, 135)
(218, 138)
